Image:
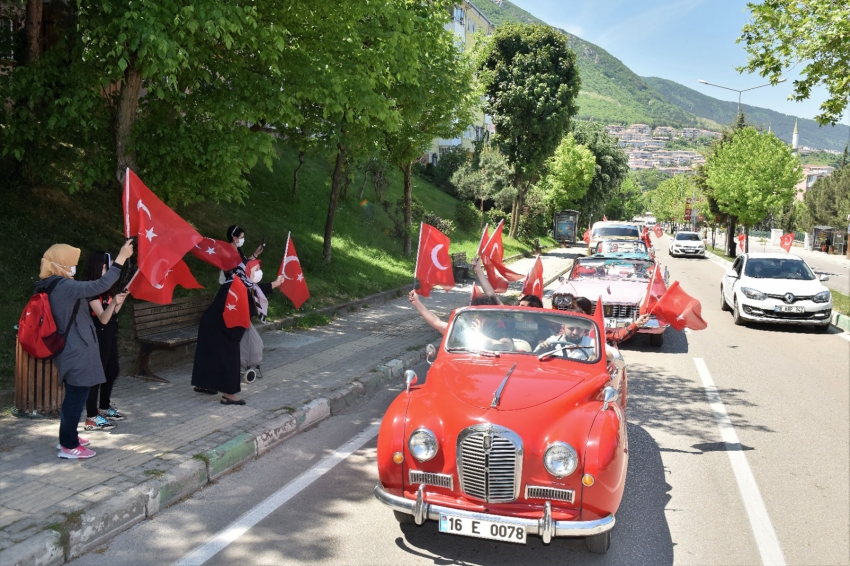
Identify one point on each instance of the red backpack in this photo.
(37, 330)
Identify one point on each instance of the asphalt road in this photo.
(688, 497)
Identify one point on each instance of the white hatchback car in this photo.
(775, 288)
(687, 244)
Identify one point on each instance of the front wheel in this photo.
(736, 315)
(656, 340)
(403, 518)
(724, 306)
(598, 544)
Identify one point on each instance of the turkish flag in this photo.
(236, 311)
(679, 309)
(533, 284)
(294, 285)
(586, 236)
(786, 241)
(215, 252)
(485, 237)
(491, 256)
(655, 289)
(659, 232)
(741, 238)
(476, 292)
(164, 237)
(645, 237)
(433, 263)
(161, 293)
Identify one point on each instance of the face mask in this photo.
(69, 270)
(258, 276)
(73, 270)
(240, 242)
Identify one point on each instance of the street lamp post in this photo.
(739, 91)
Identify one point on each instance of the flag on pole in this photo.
(163, 236)
(217, 253)
(533, 284)
(162, 293)
(586, 236)
(741, 238)
(786, 241)
(492, 255)
(658, 230)
(294, 286)
(655, 289)
(433, 264)
(679, 309)
(236, 311)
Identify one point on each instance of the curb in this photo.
(95, 525)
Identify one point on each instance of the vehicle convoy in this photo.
(687, 244)
(620, 282)
(518, 430)
(607, 230)
(764, 287)
(628, 249)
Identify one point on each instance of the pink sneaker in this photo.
(78, 453)
(83, 442)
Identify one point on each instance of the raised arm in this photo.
(482, 278)
(83, 289)
(429, 317)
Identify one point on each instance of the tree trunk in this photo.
(365, 178)
(730, 236)
(482, 214)
(34, 23)
(407, 170)
(125, 118)
(336, 183)
(746, 239)
(516, 215)
(295, 174)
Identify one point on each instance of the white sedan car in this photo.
(687, 244)
(775, 288)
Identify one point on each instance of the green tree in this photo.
(753, 175)
(828, 201)
(569, 172)
(628, 202)
(668, 200)
(531, 83)
(612, 167)
(785, 33)
(490, 180)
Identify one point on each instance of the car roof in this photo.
(614, 223)
(773, 256)
(686, 232)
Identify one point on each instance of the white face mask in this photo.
(240, 242)
(258, 276)
(73, 270)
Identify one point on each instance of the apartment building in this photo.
(811, 173)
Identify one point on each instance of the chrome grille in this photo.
(429, 478)
(796, 298)
(617, 310)
(489, 463)
(551, 493)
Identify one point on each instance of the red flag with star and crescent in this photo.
(294, 286)
(741, 238)
(786, 241)
(586, 236)
(164, 237)
(433, 263)
(533, 284)
(236, 311)
(655, 289)
(658, 230)
(161, 293)
(679, 309)
(215, 252)
(491, 256)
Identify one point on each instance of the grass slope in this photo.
(610, 91)
(366, 256)
(724, 112)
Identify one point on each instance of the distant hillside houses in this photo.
(645, 147)
(811, 173)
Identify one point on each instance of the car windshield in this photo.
(633, 270)
(778, 268)
(616, 232)
(688, 237)
(490, 331)
(621, 246)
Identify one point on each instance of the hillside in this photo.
(723, 112)
(612, 93)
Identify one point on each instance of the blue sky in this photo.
(680, 40)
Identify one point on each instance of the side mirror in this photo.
(732, 273)
(824, 277)
(430, 353)
(561, 279)
(608, 394)
(410, 379)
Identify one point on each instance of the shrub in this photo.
(449, 162)
(467, 216)
(443, 225)
(494, 216)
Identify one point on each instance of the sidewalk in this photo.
(756, 247)
(175, 441)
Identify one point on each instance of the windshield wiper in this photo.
(546, 355)
(488, 353)
(497, 396)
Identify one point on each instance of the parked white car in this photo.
(687, 244)
(775, 288)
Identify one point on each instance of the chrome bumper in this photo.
(652, 325)
(545, 527)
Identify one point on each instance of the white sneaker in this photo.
(78, 453)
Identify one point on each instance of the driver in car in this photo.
(571, 342)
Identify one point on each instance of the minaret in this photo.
(795, 137)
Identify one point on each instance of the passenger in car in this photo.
(433, 320)
(572, 341)
(615, 335)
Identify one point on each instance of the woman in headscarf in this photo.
(78, 364)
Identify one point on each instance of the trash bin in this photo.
(38, 391)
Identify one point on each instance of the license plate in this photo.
(788, 309)
(492, 530)
(610, 323)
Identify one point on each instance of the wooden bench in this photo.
(166, 327)
(460, 267)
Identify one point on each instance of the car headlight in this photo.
(560, 459)
(822, 297)
(422, 444)
(753, 294)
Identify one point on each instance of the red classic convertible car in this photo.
(519, 430)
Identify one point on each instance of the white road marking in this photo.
(236, 529)
(768, 544)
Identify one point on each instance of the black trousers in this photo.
(108, 343)
(69, 417)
